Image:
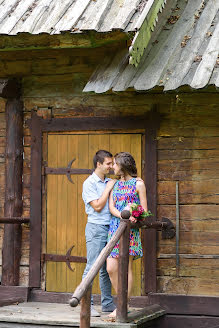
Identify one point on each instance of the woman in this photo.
(126, 190)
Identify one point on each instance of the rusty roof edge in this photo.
(145, 26)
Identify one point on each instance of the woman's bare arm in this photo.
(112, 208)
(141, 190)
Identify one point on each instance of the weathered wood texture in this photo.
(122, 291)
(182, 321)
(11, 250)
(185, 304)
(188, 152)
(85, 309)
(150, 173)
(36, 205)
(10, 292)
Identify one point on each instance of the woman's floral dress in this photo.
(124, 192)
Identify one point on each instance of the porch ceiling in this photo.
(184, 51)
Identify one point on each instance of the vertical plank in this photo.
(52, 182)
(137, 265)
(11, 251)
(83, 144)
(136, 150)
(150, 175)
(36, 202)
(122, 292)
(85, 309)
(72, 214)
(44, 207)
(120, 142)
(62, 208)
(97, 142)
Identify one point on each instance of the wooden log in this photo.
(188, 286)
(11, 252)
(194, 321)
(150, 176)
(122, 293)
(85, 309)
(19, 292)
(189, 143)
(181, 154)
(186, 304)
(14, 220)
(36, 205)
(84, 285)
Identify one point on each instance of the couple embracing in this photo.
(104, 200)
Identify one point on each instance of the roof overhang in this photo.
(67, 40)
(145, 26)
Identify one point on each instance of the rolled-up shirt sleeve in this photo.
(89, 192)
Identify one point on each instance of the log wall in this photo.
(2, 170)
(188, 152)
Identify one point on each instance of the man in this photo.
(96, 190)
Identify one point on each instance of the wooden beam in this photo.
(18, 292)
(93, 123)
(11, 251)
(85, 309)
(122, 292)
(14, 220)
(90, 39)
(185, 304)
(150, 177)
(38, 295)
(182, 321)
(36, 202)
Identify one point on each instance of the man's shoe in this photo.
(93, 312)
(109, 308)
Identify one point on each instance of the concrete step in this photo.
(42, 315)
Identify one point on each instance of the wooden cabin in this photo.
(139, 76)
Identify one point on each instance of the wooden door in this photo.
(65, 214)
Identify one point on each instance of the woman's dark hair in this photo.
(126, 163)
(100, 156)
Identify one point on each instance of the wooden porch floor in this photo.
(42, 315)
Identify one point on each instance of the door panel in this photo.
(66, 217)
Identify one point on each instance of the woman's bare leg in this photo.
(112, 266)
(112, 269)
(130, 276)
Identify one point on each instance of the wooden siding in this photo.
(2, 171)
(188, 152)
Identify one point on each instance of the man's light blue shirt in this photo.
(93, 188)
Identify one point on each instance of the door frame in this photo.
(150, 123)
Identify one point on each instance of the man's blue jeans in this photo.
(96, 239)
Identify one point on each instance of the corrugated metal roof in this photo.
(183, 52)
(56, 16)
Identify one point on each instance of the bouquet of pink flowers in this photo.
(137, 212)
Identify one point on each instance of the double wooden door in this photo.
(65, 214)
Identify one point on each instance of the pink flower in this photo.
(136, 214)
(140, 209)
